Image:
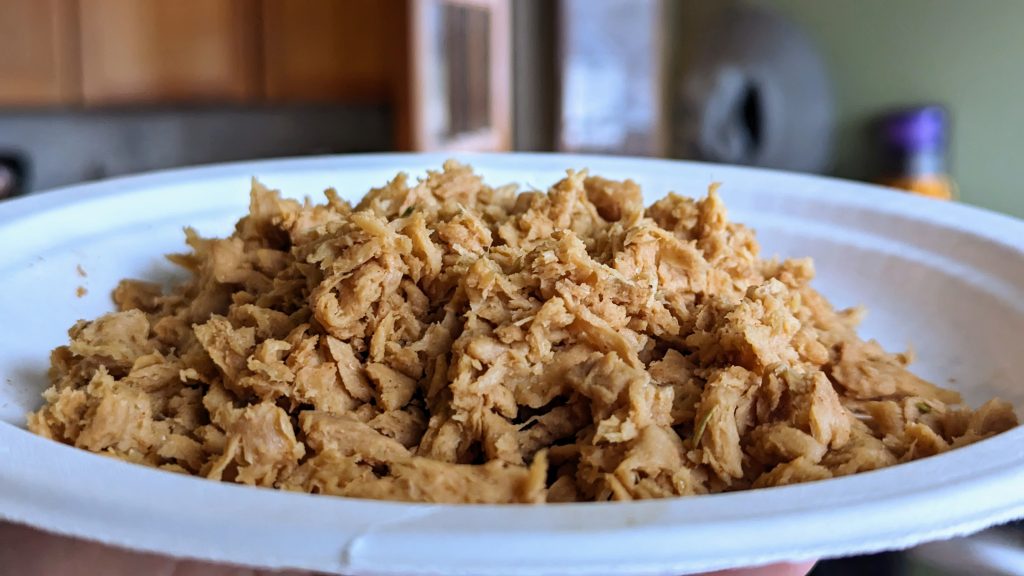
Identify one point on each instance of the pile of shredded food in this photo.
(446, 341)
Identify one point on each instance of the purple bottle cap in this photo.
(922, 128)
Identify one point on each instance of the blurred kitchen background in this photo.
(918, 94)
(921, 95)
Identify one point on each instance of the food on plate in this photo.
(448, 341)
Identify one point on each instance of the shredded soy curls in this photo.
(448, 341)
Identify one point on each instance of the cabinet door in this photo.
(167, 51)
(331, 50)
(460, 75)
(37, 61)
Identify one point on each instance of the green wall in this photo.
(967, 55)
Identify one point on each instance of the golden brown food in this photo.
(447, 341)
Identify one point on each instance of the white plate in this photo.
(947, 277)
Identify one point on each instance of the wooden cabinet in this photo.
(166, 51)
(332, 50)
(37, 59)
(443, 66)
